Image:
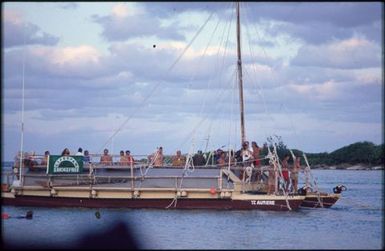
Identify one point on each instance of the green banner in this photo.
(64, 164)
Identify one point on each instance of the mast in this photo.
(240, 82)
(21, 161)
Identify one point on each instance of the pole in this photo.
(240, 81)
(22, 118)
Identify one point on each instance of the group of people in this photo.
(245, 157)
(66, 152)
(289, 175)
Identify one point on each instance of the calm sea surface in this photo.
(354, 222)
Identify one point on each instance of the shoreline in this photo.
(346, 166)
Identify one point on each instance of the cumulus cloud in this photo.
(17, 32)
(167, 9)
(326, 85)
(329, 20)
(349, 53)
(124, 23)
(81, 61)
(69, 6)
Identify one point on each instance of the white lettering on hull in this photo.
(263, 202)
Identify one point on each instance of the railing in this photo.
(90, 174)
(93, 178)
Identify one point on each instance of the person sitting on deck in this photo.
(106, 159)
(87, 157)
(65, 152)
(123, 159)
(221, 162)
(156, 159)
(44, 161)
(130, 159)
(199, 159)
(178, 159)
(285, 171)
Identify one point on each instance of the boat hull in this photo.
(180, 203)
(312, 201)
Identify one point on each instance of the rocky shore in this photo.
(346, 166)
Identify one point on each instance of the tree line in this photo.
(358, 153)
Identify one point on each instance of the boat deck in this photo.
(141, 177)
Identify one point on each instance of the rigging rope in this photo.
(275, 160)
(314, 181)
(157, 85)
(188, 168)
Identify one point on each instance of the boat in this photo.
(70, 181)
(314, 197)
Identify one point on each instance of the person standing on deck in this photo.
(199, 159)
(44, 161)
(80, 152)
(106, 159)
(294, 173)
(178, 159)
(230, 157)
(285, 171)
(271, 182)
(247, 157)
(221, 162)
(256, 162)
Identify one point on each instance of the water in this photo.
(354, 222)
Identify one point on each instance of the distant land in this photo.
(358, 156)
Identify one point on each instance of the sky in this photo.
(139, 75)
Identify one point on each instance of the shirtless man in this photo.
(123, 159)
(106, 159)
(178, 159)
(157, 158)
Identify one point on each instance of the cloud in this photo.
(345, 54)
(81, 61)
(168, 9)
(329, 20)
(124, 23)
(325, 85)
(317, 23)
(17, 32)
(69, 6)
